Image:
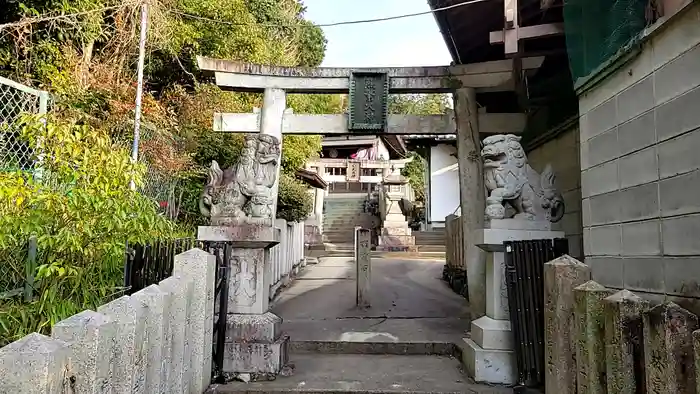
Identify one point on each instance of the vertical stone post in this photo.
(590, 337)
(696, 355)
(180, 289)
(128, 364)
(157, 303)
(363, 268)
(624, 343)
(200, 267)
(668, 349)
(35, 364)
(561, 275)
(90, 336)
(472, 196)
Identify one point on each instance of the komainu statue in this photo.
(510, 180)
(242, 194)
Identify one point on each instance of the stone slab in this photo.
(248, 288)
(517, 224)
(157, 302)
(180, 288)
(494, 334)
(492, 240)
(253, 357)
(488, 365)
(90, 336)
(363, 268)
(397, 240)
(242, 236)
(35, 364)
(265, 328)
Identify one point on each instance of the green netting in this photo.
(598, 29)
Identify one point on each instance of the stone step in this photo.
(367, 373)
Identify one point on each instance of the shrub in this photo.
(294, 203)
(82, 212)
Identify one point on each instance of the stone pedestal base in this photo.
(255, 344)
(494, 334)
(489, 365)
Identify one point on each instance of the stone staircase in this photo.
(342, 214)
(432, 241)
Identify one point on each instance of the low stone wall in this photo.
(455, 272)
(601, 340)
(158, 340)
(287, 257)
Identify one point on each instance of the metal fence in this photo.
(150, 263)
(524, 269)
(15, 100)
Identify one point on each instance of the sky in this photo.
(414, 41)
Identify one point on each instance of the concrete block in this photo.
(644, 274)
(590, 337)
(489, 333)
(623, 342)
(606, 240)
(199, 266)
(600, 179)
(677, 195)
(668, 349)
(680, 235)
(608, 271)
(253, 328)
(256, 357)
(489, 365)
(35, 364)
(178, 321)
(128, 364)
(640, 202)
(606, 208)
(679, 155)
(157, 303)
(641, 238)
(586, 212)
(600, 119)
(90, 336)
(682, 276)
(585, 153)
(678, 115)
(560, 277)
(637, 133)
(636, 99)
(678, 76)
(639, 168)
(603, 147)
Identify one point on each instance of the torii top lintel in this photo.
(237, 76)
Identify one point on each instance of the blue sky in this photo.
(414, 41)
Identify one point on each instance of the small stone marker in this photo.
(624, 350)
(35, 364)
(364, 267)
(590, 337)
(561, 275)
(90, 336)
(668, 349)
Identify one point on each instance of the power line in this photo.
(388, 18)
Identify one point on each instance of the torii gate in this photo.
(464, 81)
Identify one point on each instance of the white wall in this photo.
(444, 182)
(382, 151)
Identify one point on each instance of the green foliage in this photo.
(82, 211)
(294, 202)
(415, 172)
(418, 104)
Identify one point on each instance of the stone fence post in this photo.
(35, 364)
(590, 337)
(561, 275)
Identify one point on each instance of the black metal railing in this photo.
(524, 266)
(222, 251)
(148, 264)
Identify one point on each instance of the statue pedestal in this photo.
(489, 354)
(254, 341)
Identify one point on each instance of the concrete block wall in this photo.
(158, 340)
(640, 166)
(563, 154)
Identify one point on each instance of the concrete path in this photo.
(404, 343)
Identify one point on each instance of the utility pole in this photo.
(139, 85)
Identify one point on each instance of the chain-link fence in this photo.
(597, 29)
(16, 99)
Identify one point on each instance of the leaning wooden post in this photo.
(363, 267)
